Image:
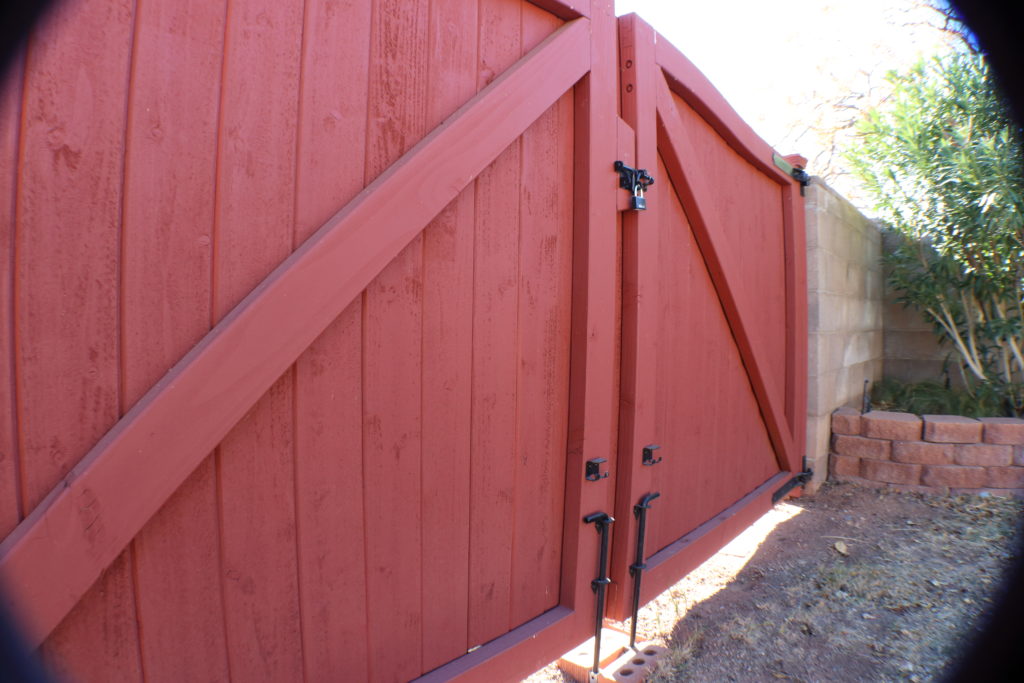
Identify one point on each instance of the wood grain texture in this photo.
(392, 363)
(544, 307)
(67, 244)
(10, 125)
(751, 227)
(448, 244)
(495, 309)
(328, 375)
(593, 400)
(794, 213)
(254, 233)
(166, 257)
(98, 641)
(708, 422)
(196, 404)
(692, 188)
(644, 301)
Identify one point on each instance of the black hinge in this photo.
(802, 177)
(798, 174)
(799, 480)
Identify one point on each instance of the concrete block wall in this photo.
(912, 351)
(845, 313)
(941, 454)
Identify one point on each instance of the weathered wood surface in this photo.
(709, 318)
(313, 313)
(226, 144)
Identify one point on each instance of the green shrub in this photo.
(935, 398)
(942, 160)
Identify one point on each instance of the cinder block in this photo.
(846, 420)
(1005, 477)
(860, 447)
(1003, 430)
(954, 476)
(890, 472)
(884, 424)
(951, 429)
(920, 453)
(843, 466)
(983, 455)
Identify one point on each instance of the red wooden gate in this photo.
(714, 320)
(251, 436)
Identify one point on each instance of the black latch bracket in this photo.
(593, 471)
(647, 457)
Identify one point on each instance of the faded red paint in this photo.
(371, 463)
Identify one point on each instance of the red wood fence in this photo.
(315, 311)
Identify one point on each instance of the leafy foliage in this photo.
(942, 160)
(934, 398)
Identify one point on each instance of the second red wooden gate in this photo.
(318, 311)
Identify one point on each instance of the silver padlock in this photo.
(637, 201)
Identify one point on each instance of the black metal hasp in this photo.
(601, 521)
(636, 180)
(639, 565)
(593, 471)
(647, 458)
(799, 480)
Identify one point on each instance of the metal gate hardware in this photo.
(802, 177)
(636, 180)
(593, 470)
(648, 458)
(798, 174)
(601, 521)
(637, 568)
(798, 480)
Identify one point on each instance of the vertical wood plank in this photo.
(392, 338)
(593, 382)
(714, 439)
(67, 241)
(66, 319)
(796, 316)
(254, 232)
(751, 223)
(495, 309)
(447, 357)
(168, 222)
(545, 248)
(328, 394)
(98, 640)
(642, 294)
(10, 123)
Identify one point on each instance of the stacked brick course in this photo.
(930, 453)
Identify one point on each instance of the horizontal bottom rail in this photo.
(552, 633)
(679, 558)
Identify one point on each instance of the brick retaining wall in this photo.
(930, 453)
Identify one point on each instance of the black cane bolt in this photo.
(636, 569)
(602, 521)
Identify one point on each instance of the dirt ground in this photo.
(850, 584)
